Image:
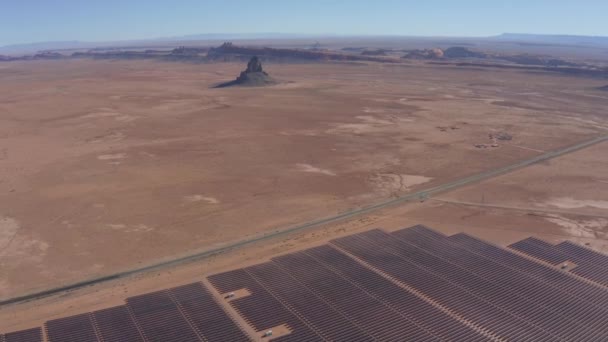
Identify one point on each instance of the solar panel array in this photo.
(185, 313)
(29, 335)
(414, 284)
(590, 265)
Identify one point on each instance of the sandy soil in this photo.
(568, 192)
(110, 165)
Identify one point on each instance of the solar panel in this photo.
(29, 335)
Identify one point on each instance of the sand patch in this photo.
(301, 132)
(571, 203)
(240, 293)
(392, 183)
(372, 110)
(201, 198)
(19, 247)
(373, 120)
(355, 128)
(116, 156)
(110, 137)
(370, 124)
(4, 288)
(102, 113)
(136, 228)
(278, 331)
(580, 228)
(313, 169)
(8, 230)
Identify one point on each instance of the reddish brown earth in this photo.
(106, 166)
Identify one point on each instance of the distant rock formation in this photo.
(424, 54)
(462, 52)
(230, 52)
(378, 52)
(254, 65)
(253, 76)
(604, 88)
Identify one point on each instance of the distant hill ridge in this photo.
(57, 45)
(554, 39)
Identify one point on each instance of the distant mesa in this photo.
(424, 54)
(462, 52)
(378, 52)
(253, 76)
(452, 52)
(604, 88)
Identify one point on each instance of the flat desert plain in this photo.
(107, 166)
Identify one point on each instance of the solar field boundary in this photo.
(349, 214)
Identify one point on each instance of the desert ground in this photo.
(107, 166)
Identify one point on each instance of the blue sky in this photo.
(23, 21)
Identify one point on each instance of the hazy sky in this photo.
(24, 21)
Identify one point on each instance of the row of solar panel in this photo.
(589, 264)
(186, 313)
(29, 335)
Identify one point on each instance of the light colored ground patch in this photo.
(308, 133)
(355, 128)
(313, 169)
(8, 229)
(4, 288)
(372, 110)
(101, 113)
(580, 228)
(110, 137)
(115, 156)
(369, 124)
(14, 246)
(125, 118)
(571, 203)
(392, 183)
(201, 198)
(180, 104)
(373, 120)
(136, 228)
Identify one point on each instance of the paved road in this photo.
(420, 195)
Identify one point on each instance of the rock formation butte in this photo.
(253, 76)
